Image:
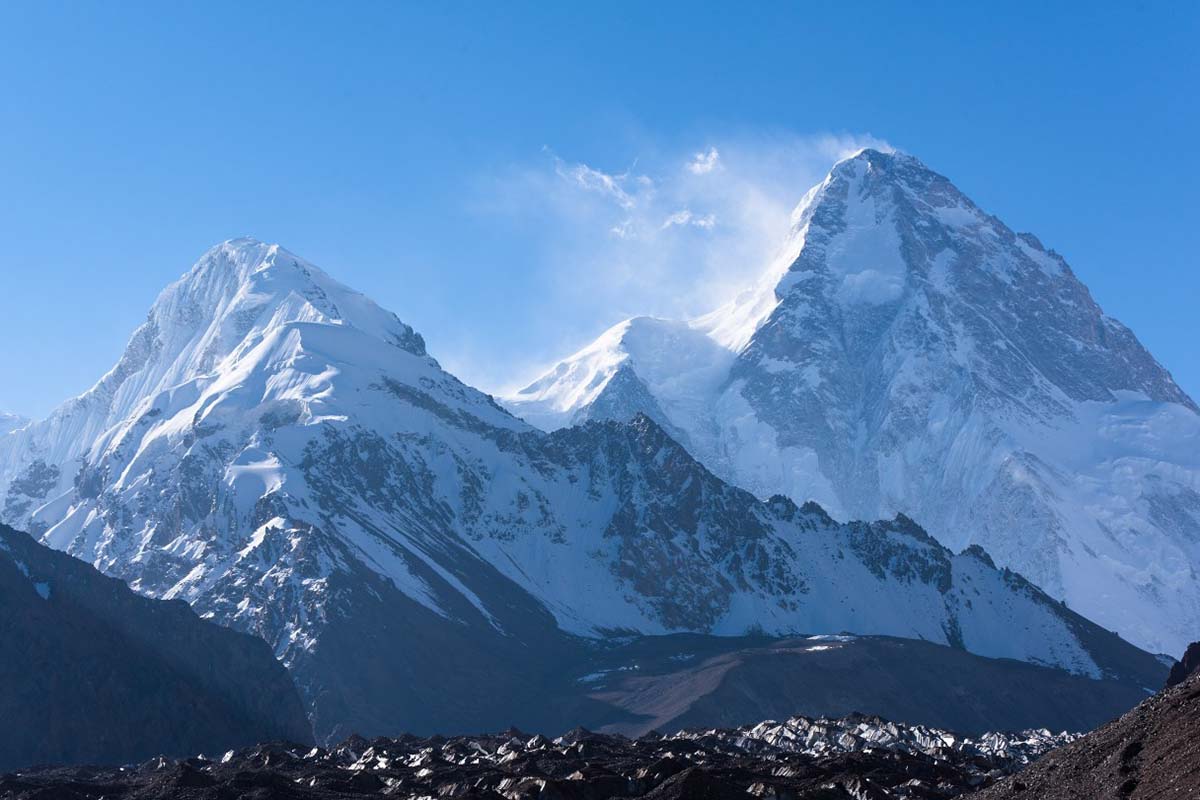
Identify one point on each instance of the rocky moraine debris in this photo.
(852, 757)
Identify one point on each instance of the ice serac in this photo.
(916, 355)
(283, 454)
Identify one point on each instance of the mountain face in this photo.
(909, 353)
(91, 672)
(284, 455)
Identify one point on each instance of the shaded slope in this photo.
(91, 672)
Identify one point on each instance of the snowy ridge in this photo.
(230, 299)
(674, 361)
(733, 325)
(11, 422)
(917, 356)
(284, 455)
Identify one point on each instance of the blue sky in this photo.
(449, 159)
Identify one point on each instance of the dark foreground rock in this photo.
(1185, 667)
(1150, 753)
(855, 757)
(91, 672)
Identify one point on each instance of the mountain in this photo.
(284, 455)
(91, 672)
(909, 353)
(1151, 752)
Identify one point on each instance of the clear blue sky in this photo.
(417, 152)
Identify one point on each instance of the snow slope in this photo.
(10, 422)
(284, 455)
(917, 356)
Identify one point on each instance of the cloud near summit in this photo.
(704, 163)
(671, 232)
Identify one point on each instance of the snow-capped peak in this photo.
(907, 351)
(556, 397)
(876, 171)
(676, 360)
(236, 294)
(589, 370)
(243, 286)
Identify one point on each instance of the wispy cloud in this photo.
(675, 235)
(704, 163)
(684, 216)
(593, 180)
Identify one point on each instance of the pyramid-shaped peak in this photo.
(878, 169)
(233, 261)
(247, 278)
(240, 293)
(877, 157)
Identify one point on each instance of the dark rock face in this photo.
(1185, 667)
(1150, 753)
(856, 757)
(91, 672)
(31, 486)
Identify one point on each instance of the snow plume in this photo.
(666, 231)
(594, 180)
(684, 216)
